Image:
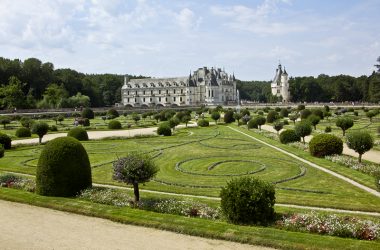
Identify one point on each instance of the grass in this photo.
(263, 236)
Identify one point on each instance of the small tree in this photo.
(326, 114)
(41, 129)
(26, 122)
(215, 116)
(272, 116)
(185, 119)
(303, 129)
(371, 114)
(278, 126)
(293, 117)
(229, 116)
(134, 169)
(284, 112)
(4, 121)
(344, 123)
(314, 120)
(173, 122)
(136, 117)
(260, 120)
(237, 117)
(305, 114)
(60, 119)
(157, 117)
(360, 141)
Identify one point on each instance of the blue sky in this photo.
(171, 37)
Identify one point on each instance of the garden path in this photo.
(372, 155)
(42, 228)
(365, 188)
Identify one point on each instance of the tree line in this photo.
(34, 84)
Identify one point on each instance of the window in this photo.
(151, 92)
(127, 99)
(166, 99)
(144, 99)
(174, 91)
(212, 93)
(181, 91)
(278, 91)
(128, 92)
(136, 92)
(174, 98)
(180, 99)
(144, 92)
(159, 91)
(135, 100)
(167, 91)
(150, 99)
(159, 99)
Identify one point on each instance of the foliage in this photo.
(360, 141)
(325, 144)
(4, 121)
(173, 122)
(314, 120)
(26, 122)
(203, 123)
(238, 116)
(41, 129)
(370, 114)
(78, 133)
(259, 120)
(300, 107)
(252, 124)
(17, 182)
(248, 200)
(293, 117)
(351, 162)
(272, 116)
(303, 129)
(185, 119)
(344, 123)
(331, 224)
(229, 116)
(53, 128)
(278, 126)
(318, 112)
(305, 114)
(136, 117)
(288, 136)
(88, 113)
(84, 122)
(1, 151)
(114, 124)
(134, 169)
(328, 129)
(164, 129)
(6, 141)
(12, 95)
(63, 168)
(112, 113)
(23, 132)
(284, 112)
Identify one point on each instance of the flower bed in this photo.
(351, 162)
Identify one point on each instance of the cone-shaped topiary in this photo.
(78, 133)
(63, 168)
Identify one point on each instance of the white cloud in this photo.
(187, 20)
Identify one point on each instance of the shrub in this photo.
(23, 132)
(4, 121)
(53, 128)
(113, 113)
(114, 124)
(314, 120)
(164, 129)
(305, 114)
(252, 124)
(300, 107)
(289, 136)
(26, 122)
(245, 112)
(134, 169)
(328, 129)
(325, 144)
(371, 114)
(285, 122)
(248, 200)
(203, 123)
(78, 133)
(272, 116)
(41, 129)
(284, 112)
(63, 168)
(84, 122)
(173, 122)
(136, 117)
(360, 141)
(293, 117)
(1, 151)
(344, 123)
(278, 126)
(327, 108)
(318, 112)
(260, 113)
(229, 117)
(303, 129)
(88, 113)
(260, 120)
(356, 113)
(6, 141)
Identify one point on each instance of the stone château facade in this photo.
(280, 85)
(203, 87)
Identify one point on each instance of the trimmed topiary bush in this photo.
(53, 128)
(164, 129)
(78, 133)
(248, 200)
(272, 116)
(344, 123)
(112, 113)
(289, 136)
(325, 144)
(328, 129)
(63, 168)
(114, 124)
(23, 132)
(303, 129)
(6, 141)
(360, 141)
(305, 114)
(252, 124)
(1, 151)
(203, 123)
(41, 129)
(229, 117)
(88, 113)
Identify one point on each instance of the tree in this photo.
(186, 118)
(293, 117)
(344, 123)
(4, 121)
(12, 95)
(136, 117)
(229, 116)
(303, 129)
(360, 141)
(278, 126)
(215, 115)
(173, 122)
(53, 96)
(237, 117)
(134, 169)
(272, 116)
(314, 120)
(41, 129)
(259, 120)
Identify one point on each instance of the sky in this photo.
(162, 38)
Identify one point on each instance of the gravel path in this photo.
(372, 155)
(365, 188)
(30, 227)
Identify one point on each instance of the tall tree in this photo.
(12, 95)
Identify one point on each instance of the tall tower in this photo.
(280, 85)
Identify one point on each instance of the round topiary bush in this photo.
(229, 117)
(23, 132)
(272, 116)
(325, 144)
(305, 114)
(88, 113)
(164, 129)
(114, 124)
(252, 124)
(53, 128)
(78, 133)
(1, 151)
(203, 123)
(113, 113)
(6, 141)
(328, 129)
(289, 136)
(248, 200)
(63, 168)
